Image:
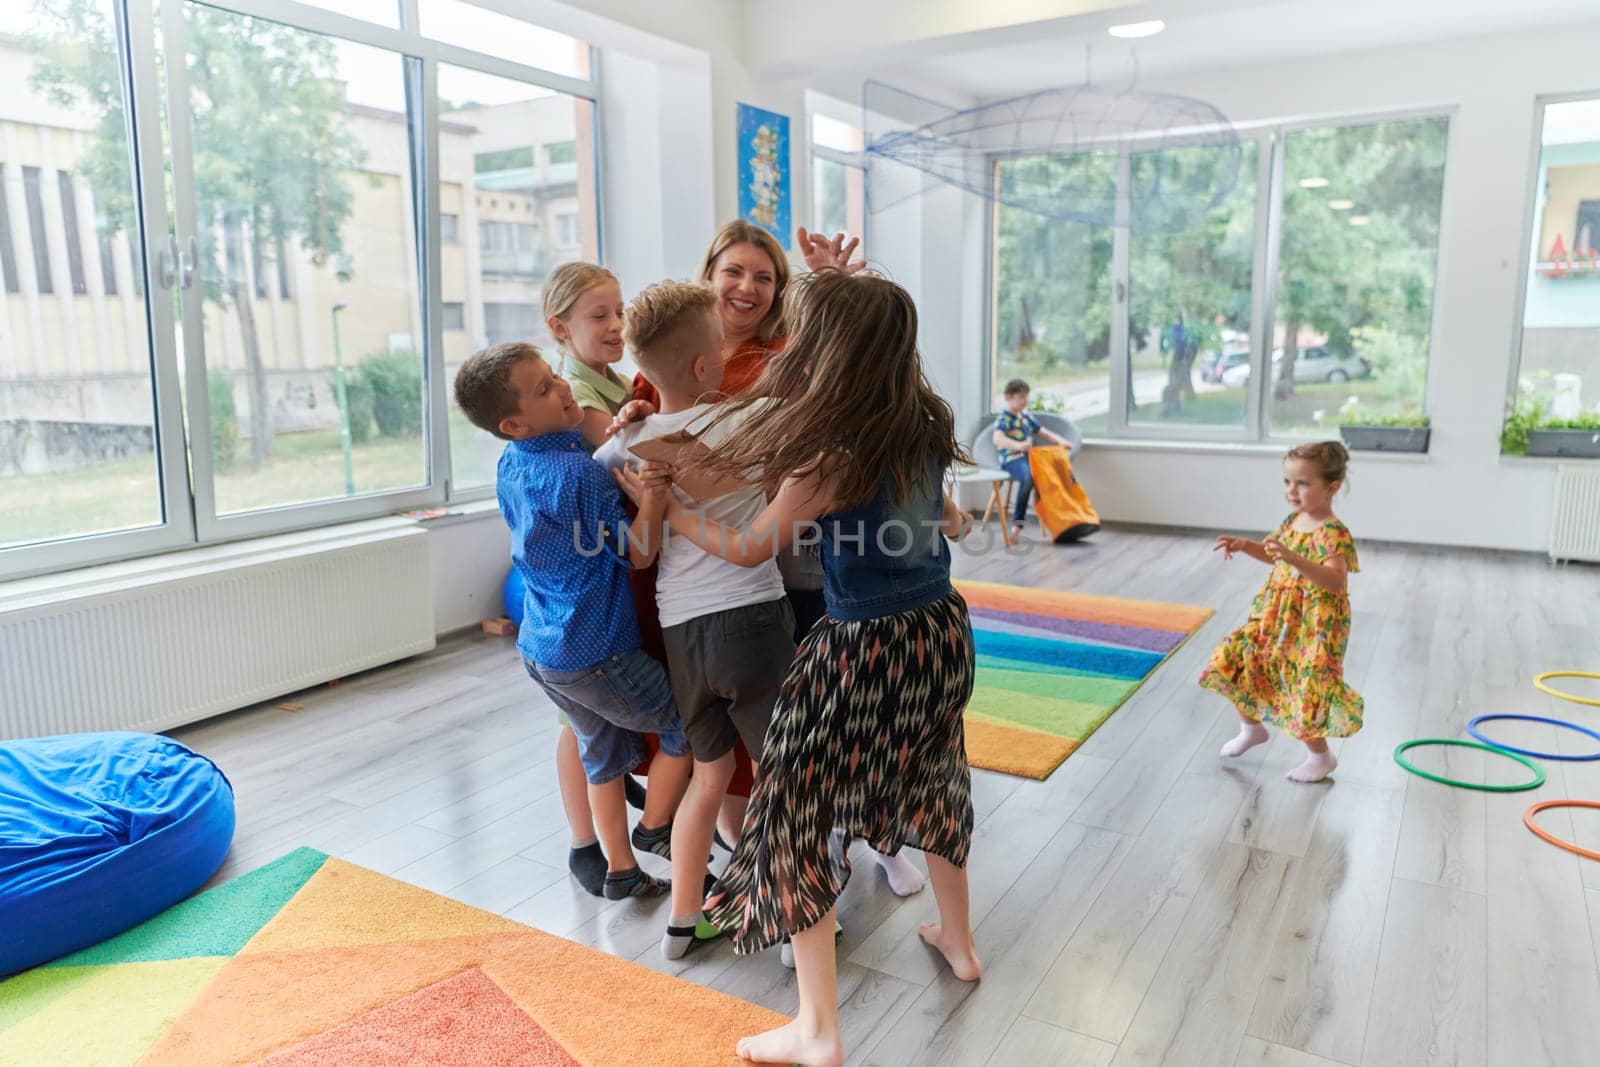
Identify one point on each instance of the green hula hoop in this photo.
(1538, 778)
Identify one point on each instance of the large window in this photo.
(78, 412)
(318, 398)
(330, 243)
(1356, 268)
(1155, 331)
(1052, 303)
(1557, 385)
(518, 159)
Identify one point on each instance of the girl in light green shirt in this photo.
(583, 311)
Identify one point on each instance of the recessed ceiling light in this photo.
(1138, 29)
(1313, 183)
(1359, 220)
(1341, 205)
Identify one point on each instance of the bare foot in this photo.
(962, 957)
(1317, 766)
(793, 1044)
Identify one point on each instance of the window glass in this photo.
(1558, 380)
(516, 164)
(77, 400)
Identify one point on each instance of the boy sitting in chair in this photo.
(1014, 434)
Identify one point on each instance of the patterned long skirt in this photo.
(866, 737)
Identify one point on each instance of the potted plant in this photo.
(1578, 438)
(1406, 432)
(1531, 428)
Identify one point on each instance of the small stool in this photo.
(1001, 486)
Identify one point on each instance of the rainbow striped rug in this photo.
(311, 960)
(1053, 666)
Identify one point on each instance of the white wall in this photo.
(469, 556)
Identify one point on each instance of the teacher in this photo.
(750, 273)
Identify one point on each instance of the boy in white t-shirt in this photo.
(729, 630)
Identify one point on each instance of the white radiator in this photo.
(157, 643)
(1575, 530)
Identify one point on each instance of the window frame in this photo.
(421, 57)
(1271, 136)
(1526, 254)
(183, 455)
(137, 73)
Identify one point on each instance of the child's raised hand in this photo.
(1277, 552)
(1228, 545)
(631, 412)
(823, 254)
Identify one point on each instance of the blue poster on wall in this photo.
(764, 171)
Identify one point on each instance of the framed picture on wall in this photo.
(764, 171)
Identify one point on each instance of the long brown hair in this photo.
(854, 398)
(740, 232)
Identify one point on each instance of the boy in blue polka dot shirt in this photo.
(579, 640)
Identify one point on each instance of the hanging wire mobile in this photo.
(1056, 153)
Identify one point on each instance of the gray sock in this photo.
(684, 935)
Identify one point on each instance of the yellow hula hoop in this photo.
(1538, 683)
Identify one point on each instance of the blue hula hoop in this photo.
(1472, 728)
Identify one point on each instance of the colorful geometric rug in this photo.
(311, 960)
(1053, 666)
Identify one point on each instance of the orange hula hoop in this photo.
(1527, 820)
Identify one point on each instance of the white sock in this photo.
(1250, 735)
(904, 878)
(1317, 766)
(786, 952)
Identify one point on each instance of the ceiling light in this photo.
(1138, 29)
(1359, 220)
(1341, 205)
(1313, 183)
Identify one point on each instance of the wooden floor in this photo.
(1149, 904)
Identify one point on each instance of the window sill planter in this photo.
(1385, 438)
(1576, 444)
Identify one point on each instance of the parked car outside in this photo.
(1216, 364)
(1314, 364)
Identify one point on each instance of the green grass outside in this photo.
(123, 494)
(1293, 417)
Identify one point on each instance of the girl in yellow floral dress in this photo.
(1285, 666)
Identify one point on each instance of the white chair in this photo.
(988, 472)
(988, 469)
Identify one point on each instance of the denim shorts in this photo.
(610, 705)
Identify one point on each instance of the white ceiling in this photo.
(1209, 39)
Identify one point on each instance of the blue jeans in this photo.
(610, 705)
(1022, 474)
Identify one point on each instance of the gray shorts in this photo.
(726, 670)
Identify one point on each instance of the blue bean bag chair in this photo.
(98, 832)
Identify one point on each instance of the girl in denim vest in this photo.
(867, 734)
